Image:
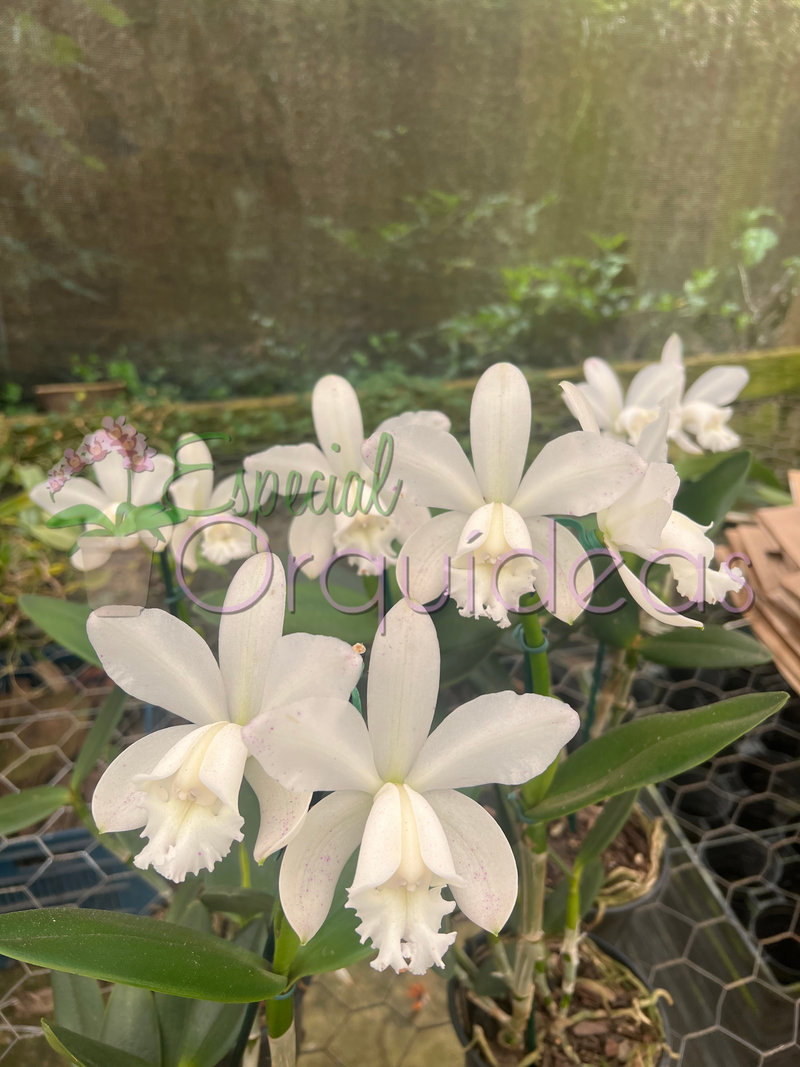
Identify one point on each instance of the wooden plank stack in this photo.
(770, 547)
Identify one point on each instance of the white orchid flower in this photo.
(394, 793)
(221, 541)
(624, 417)
(702, 411)
(182, 783)
(340, 432)
(493, 512)
(147, 487)
(643, 521)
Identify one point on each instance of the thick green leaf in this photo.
(463, 643)
(100, 734)
(620, 627)
(710, 498)
(609, 823)
(131, 1024)
(234, 900)
(711, 647)
(85, 1051)
(136, 951)
(336, 944)
(313, 614)
(80, 515)
(18, 810)
(555, 906)
(651, 750)
(64, 621)
(78, 1003)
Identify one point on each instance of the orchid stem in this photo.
(244, 865)
(130, 485)
(612, 703)
(570, 944)
(537, 674)
(280, 1010)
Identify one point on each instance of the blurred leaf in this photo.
(131, 1024)
(555, 905)
(85, 1051)
(62, 620)
(710, 498)
(314, 614)
(115, 947)
(754, 244)
(463, 643)
(78, 1003)
(336, 944)
(18, 810)
(608, 824)
(618, 628)
(235, 900)
(61, 540)
(81, 515)
(115, 15)
(100, 735)
(650, 750)
(712, 646)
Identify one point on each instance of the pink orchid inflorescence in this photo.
(116, 435)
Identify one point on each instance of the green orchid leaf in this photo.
(78, 1003)
(161, 956)
(86, 1051)
(100, 735)
(555, 906)
(64, 621)
(710, 498)
(336, 944)
(18, 810)
(314, 614)
(235, 900)
(130, 1023)
(712, 646)
(80, 515)
(650, 750)
(609, 823)
(463, 643)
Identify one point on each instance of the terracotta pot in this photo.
(457, 1004)
(63, 396)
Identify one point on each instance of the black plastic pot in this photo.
(740, 858)
(783, 955)
(457, 1003)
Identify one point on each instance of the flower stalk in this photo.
(280, 1010)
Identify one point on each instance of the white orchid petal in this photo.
(577, 474)
(606, 389)
(433, 468)
(635, 521)
(148, 486)
(337, 420)
(193, 490)
(308, 665)
(407, 518)
(563, 574)
(500, 428)
(317, 743)
(578, 403)
(499, 737)
(672, 352)
(315, 857)
(223, 765)
(402, 688)
(435, 420)
(655, 384)
(118, 804)
(652, 442)
(718, 386)
(160, 660)
(75, 491)
(311, 534)
(381, 845)
(247, 634)
(433, 844)
(481, 855)
(305, 459)
(422, 566)
(283, 812)
(112, 476)
(647, 600)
